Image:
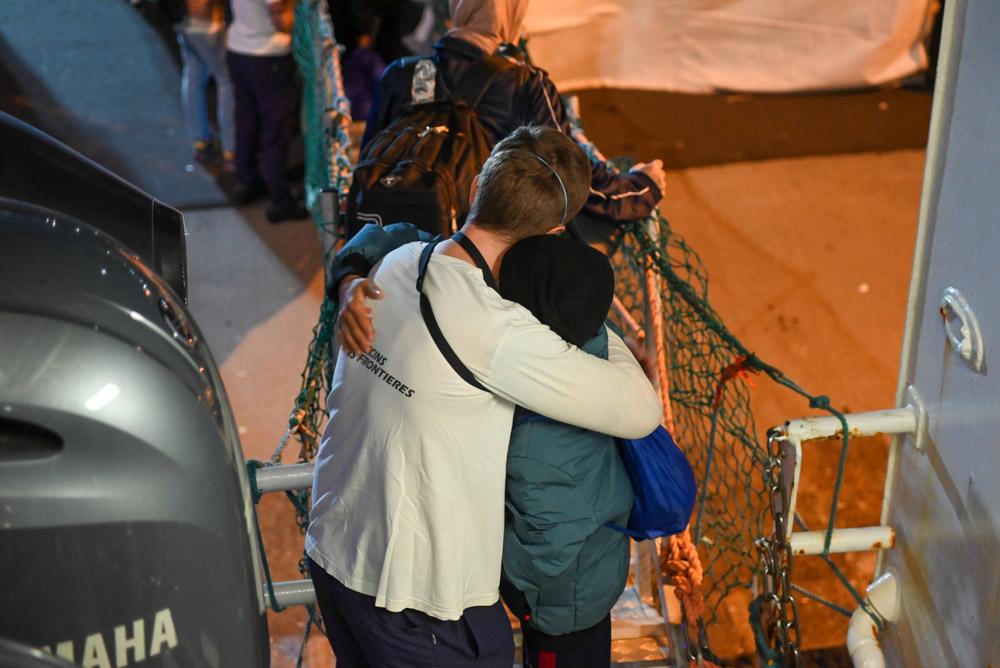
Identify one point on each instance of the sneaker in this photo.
(291, 212)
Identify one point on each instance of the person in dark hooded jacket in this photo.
(516, 96)
(563, 567)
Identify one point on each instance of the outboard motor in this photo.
(37, 169)
(16, 655)
(126, 524)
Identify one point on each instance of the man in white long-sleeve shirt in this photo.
(406, 530)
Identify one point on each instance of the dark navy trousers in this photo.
(265, 92)
(587, 648)
(364, 635)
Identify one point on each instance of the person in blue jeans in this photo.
(202, 39)
(563, 568)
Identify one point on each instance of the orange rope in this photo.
(678, 557)
(659, 345)
(680, 561)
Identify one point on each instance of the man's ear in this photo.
(473, 189)
(558, 229)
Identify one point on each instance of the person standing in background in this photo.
(259, 44)
(522, 95)
(362, 69)
(201, 35)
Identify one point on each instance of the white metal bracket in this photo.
(910, 419)
(915, 403)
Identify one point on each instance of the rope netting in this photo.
(326, 115)
(710, 406)
(706, 383)
(708, 377)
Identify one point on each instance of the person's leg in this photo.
(277, 104)
(362, 634)
(589, 648)
(494, 639)
(338, 629)
(410, 639)
(194, 79)
(213, 53)
(243, 73)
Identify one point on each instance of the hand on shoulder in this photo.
(355, 329)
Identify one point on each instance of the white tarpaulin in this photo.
(699, 46)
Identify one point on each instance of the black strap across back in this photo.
(428, 313)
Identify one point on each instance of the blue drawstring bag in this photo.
(663, 484)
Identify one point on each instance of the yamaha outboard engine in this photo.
(17, 655)
(37, 169)
(126, 523)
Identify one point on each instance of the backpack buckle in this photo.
(436, 129)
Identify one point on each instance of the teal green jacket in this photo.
(563, 569)
(366, 248)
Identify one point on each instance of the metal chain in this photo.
(780, 611)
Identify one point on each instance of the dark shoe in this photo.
(203, 153)
(291, 212)
(244, 194)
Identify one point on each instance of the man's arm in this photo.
(614, 197)
(365, 249)
(620, 198)
(282, 14)
(533, 367)
(348, 287)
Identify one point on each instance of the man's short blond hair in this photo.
(518, 193)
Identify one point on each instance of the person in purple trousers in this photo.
(259, 45)
(362, 70)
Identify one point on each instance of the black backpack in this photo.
(420, 168)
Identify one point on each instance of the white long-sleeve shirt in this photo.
(252, 32)
(408, 494)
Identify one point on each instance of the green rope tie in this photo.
(703, 497)
(252, 467)
(839, 609)
(771, 657)
(311, 610)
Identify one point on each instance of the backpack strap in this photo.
(432, 325)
